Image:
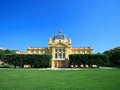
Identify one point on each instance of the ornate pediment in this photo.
(60, 45)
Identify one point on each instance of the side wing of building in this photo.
(31, 50)
(87, 50)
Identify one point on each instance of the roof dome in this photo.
(59, 36)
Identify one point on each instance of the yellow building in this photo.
(60, 48)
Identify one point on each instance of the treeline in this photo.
(34, 60)
(89, 59)
(7, 51)
(114, 57)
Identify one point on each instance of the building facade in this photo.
(60, 48)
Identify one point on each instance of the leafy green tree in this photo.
(7, 52)
(114, 57)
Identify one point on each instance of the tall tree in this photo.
(114, 56)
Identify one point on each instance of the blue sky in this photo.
(25, 23)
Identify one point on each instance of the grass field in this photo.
(34, 79)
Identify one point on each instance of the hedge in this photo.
(34, 60)
(89, 59)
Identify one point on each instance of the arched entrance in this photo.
(60, 63)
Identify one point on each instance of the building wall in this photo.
(53, 49)
(32, 50)
(60, 48)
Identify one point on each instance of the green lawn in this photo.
(34, 79)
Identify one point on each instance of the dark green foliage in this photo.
(0, 56)
(6, 52)
(5, 66)
(114, 56)
(89, 59)
(34, 60)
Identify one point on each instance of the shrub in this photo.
(89, 59)
(35, 60)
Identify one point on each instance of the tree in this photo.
(114, 57)
(7, 52)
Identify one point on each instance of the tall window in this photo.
(59, 53)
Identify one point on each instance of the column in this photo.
(53, 53)
(53, 64)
